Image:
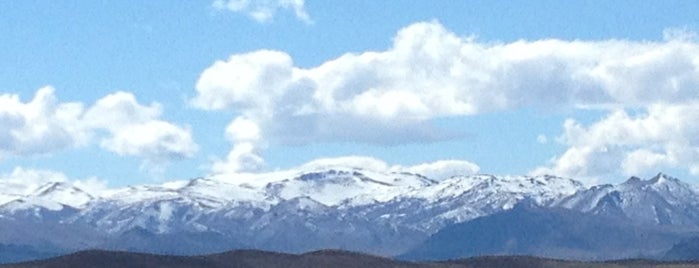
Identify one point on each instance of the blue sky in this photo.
(147, 111)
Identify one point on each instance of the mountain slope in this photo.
(463, 198)
(685, 250)
(550, 232)
(348, 208)
(10, 253)
(661, 200)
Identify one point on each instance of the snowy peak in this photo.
(52, 196)
(141, 193)
(669, 188)
(353, 208)
(667, 183)
(664, 178)
(657, 181)
(398, 198)
(633, 181)
(223, 191)
(346, 175)
(338, 177)
(462, 198)
(59, 188)
(660, 200)
(541, 188)
(64, 193)
(346, 186)
(5, 198)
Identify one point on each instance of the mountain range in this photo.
(350, 208)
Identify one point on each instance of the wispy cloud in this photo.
(264, 10)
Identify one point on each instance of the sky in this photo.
(131, 92)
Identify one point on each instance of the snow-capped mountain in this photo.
(661, 200)
(347, 186)
(198, 204)
(322, 207)
(52, 196)
(541, 189)
(400, 198)
(463, 198)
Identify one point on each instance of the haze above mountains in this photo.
(359, 209)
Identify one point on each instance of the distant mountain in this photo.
(464, 198)
(294, 211)
(528, 229)
(10, 253)
(320, 259)
(685, 250)
(29, 238)
(661, 200)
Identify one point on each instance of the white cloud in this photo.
(40, 126)
(264, 10)
(438, 170)
(365, 162)
(243, 129)
(44, 125)
(643, 160)
(136, 130)
(120, 109)
(665, 135)
(393, 96)
(444, 169)
(250, 81)
(245, 156)
(155, 140)
(542, 139)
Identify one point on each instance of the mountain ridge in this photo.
(387, 213)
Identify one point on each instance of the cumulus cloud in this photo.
(122, 125)
(664, 135)
(136, 130)
(155, 140)
(119, 109)
(245, 156)
(438, 170)
(393, 96)
(40, 126)
(264, 10)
